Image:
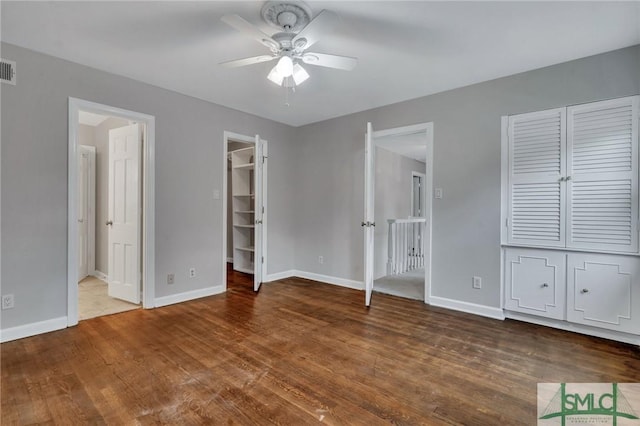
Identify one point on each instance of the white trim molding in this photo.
(427, 129)
(279, 276)
(470, 308)
(32, 329)
(172, 299)
(100, 275)
(148, 202)
(227, 137)
(325, 279)
(575, 328)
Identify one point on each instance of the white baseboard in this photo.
(576, 328)
(470, 308)
(189, 295)
(342, 282)
(28, 330)
(280, 276)
(229, 259)
(327, 279)
(100, 275)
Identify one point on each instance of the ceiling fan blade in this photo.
(249, 29)
(346, 63)
(320, 25)
(247, 61)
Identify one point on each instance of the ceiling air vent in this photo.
(8, 71)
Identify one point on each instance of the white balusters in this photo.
(406, 251)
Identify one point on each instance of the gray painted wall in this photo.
(392, 199)
(189, 166)
(466, 222)
(315, 176)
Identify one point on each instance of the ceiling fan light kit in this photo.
(296, 32)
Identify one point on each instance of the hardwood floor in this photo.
(299, 352)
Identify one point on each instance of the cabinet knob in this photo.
(109, 222)
(545, 285)
(584, 290)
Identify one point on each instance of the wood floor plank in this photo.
(298, 352)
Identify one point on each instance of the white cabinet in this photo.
(570, 217)
(535, 282)
(243, 199)
(570, 177)
(604, 291)
(595, 290)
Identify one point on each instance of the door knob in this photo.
(258, 222)
(584, 290)
(109, 222)
(545, 285)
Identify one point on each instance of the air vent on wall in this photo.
(8, 71)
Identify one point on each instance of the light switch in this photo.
(216, 194)
(438, 193)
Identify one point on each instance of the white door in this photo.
(259, 208)
(369, 220)
(86, 202)
(124, 213)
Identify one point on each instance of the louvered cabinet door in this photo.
(602, 175)
(537, 146)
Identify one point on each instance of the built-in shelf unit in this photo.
(243, 199)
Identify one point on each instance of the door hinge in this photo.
(262, 259)
(506, 222)
(262, 209)
(264, 157)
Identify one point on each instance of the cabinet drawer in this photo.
(535, 282)
(602, 291)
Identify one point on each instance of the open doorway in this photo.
(110, 210)
(398, 179)
(245, 211)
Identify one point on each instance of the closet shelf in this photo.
(243, 181)
(248, 166)
(251, 249)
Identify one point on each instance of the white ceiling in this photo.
(405, 49)
(413, 145)
(91, 119)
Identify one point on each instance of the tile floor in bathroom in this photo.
(93, 300)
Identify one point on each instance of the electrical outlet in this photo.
(171, 279)
(321, 259)
(192, 272)
(7, 301)
(477, 282)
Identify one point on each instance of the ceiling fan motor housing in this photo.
(288, 17)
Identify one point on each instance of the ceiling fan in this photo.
(297, 32)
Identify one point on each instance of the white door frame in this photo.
(148, 202)
(91, 214)
(423, 191)
(427, 128)
(236, 137)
